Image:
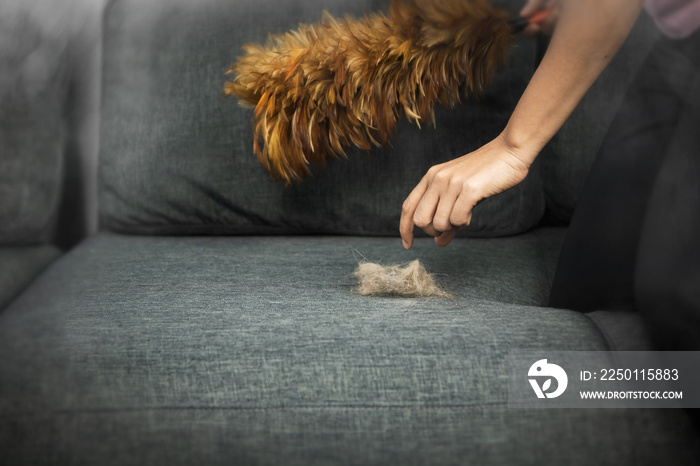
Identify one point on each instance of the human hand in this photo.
(442, 202)
(548, 25)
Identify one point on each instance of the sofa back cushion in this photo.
(177, 157)
(33, 88)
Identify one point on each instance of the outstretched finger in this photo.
(408, 210)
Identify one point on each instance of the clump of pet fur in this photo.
(323, 87)
(411, 280)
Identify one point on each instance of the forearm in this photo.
(588, 34)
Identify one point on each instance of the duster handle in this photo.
(520, 23)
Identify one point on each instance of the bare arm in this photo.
(587, 36)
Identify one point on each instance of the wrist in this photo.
(519, 146)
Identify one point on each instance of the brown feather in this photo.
(348, 81)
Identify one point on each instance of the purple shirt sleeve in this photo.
(675, 18)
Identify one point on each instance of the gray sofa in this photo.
(212, 319)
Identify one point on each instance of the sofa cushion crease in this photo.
(19, 265)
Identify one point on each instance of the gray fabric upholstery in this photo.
(488, 435)
(33, 88)
(176, 156)
(567, 159)
(624, 331)
(18, 267)
(256, 351)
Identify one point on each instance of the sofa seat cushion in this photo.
(133, 350)
(19, 265)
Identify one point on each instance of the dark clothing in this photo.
(634, 240)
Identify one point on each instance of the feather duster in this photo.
(342, 82)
